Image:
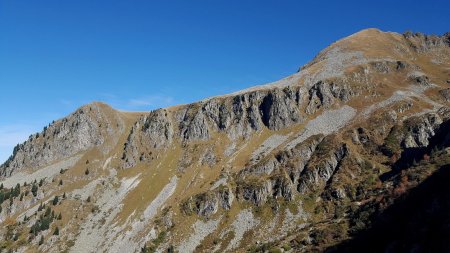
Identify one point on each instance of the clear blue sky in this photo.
(139, 55)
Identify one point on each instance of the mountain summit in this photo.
(352, 148)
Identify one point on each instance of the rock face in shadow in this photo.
(417, 222)
(421, 129)
(437, 137)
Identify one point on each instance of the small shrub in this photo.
(55, 200)
(286, 247)
(34, 190)
(56, 232)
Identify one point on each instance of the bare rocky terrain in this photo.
(324, 160)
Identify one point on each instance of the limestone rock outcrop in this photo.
(89, 126)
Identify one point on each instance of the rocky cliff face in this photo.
(207, 204)
(300, 164)
(423, 42)
(152, 132)
(420, 130)
(86, 128)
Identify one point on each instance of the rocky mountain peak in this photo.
(89, 126)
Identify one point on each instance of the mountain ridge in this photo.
(292, 79)
(331, 140)
(370, 32)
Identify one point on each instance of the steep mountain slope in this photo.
(307, 163)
